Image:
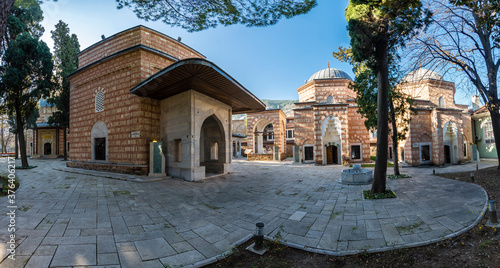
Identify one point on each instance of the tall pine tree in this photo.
(376, 27)
(66, 49)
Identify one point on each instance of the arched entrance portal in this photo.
(212, 146)
(99, 141)
(450, 143)
(331, 141)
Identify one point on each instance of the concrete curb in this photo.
(411, 245)
(225, 254)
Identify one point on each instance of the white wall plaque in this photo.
(135, 134)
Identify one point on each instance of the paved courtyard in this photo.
(67, 219)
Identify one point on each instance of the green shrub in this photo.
(4, 181)
(400, 176)
(387, 194)
(373, 157)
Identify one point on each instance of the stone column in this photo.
(260, 142)
(238, 148)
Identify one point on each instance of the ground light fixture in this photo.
(472, 176)
(259, 236)
(258, 246)
(493, 211)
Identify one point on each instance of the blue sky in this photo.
(271, 62)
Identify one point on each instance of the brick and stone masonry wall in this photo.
(123, 113)
(277, 118)
(132, 37)
(320, 114)
(358, 134)
(304, 127)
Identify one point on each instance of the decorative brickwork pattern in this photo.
(132, 121)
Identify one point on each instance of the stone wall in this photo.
(117, 168)
(260, 157)
(132, 121)
(274, 116)
(139, 35)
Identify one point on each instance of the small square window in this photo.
(355, 152)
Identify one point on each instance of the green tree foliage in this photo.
(203, 14)
(365, 86)
(487, 12)
(26, 73)
(5, 7)
(376, 28)
(5, 10)
(66, 49)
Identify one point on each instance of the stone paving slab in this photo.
(78, 217)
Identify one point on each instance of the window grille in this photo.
(99, 102)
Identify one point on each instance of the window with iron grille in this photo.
(99, 101)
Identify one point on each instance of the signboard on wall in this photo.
(47, 137)
(415, 145)
(135, 134)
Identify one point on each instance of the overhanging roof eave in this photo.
(149, 87)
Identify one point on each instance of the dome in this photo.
(421, 74)
(329, 73)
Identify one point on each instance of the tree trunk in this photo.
(495, 123)
(3, 138)
(65, 146)
(22, 142)
(5, 7)
(16, 148)
(380, 172)
(394, 138)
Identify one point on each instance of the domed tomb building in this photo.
(441, 132)
(327, 129)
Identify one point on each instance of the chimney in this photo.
(475, 103)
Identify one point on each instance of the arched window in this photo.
(99, 101)
(214, 151)
(441, 102)
(329, 99)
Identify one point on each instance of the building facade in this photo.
(482, 129)
(141, 86)
(45, 141)
(327, 129)
(440, 133)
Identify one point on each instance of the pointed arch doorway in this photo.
(331, 131)
(212, 146)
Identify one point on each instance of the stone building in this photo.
(441, 131)
(141, 86)
(325, 126)
(482, 129)
(327, 129)
(45, 141)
